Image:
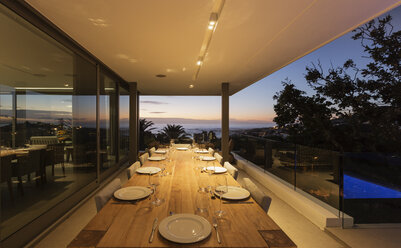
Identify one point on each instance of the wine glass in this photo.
(154, 181)
(220, 189)
(163, 168)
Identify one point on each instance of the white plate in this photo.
(156, 158)
(148, 170)
(160, 151)
(208, 158)
(182, 148)
(202, 151)
(185, 228)
(132, 193)
(217, 169)
(235, 193)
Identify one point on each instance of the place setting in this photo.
(160, 151)
(156, 158)
(182, 148)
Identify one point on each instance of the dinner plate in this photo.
(156, 158)
(148, 170)
(208, 158)
(202, 151)
(160, 151)
(185, 228)
(182, 148)
(217, 169)
(132, 193)
(235, 193)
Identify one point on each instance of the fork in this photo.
(217, 232)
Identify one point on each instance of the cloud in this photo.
(157, 112)
(154, 102)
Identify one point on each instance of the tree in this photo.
(352, 109)
(176, 132)
(145, 134)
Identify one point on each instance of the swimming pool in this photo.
(355, 188)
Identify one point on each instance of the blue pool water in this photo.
(355, 188)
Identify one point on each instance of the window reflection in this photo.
(124, 123)
(47, 123)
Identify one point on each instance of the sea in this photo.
(191, 129)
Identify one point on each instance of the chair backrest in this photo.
(5, 168)
(218, 157)
(131, 170)
(106, 193)
(262, 199)
(211, 151)
(143, 158)
(34, 162)
(231, 169)
(151, 151)
(58, 152)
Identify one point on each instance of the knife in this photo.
(153, 230)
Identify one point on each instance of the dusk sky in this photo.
(254, 104)
(251, 106)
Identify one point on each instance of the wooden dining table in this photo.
(129, 225)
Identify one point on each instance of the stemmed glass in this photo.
(220, 189)
(154, 181)
(163, 168)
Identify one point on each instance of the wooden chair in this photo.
(26, 165)
(211, 151)
(58, 156)
(143, 158)
(151, 151)
(231, 170)
(132, 169)
(263, 200)
(6, 173)
(106, 193)
(218, 157)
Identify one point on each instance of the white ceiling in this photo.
(139, 39)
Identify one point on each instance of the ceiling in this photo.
(141, 39)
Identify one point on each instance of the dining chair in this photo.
(211, 151)
(151, 151)
(218, 157)
(231, 169)
(6, 173)
(131, 170)
(262, 199)
(58, 156)
(143, 158)
(106, 193)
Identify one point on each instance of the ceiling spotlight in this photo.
(199, 62)
(191, 86)
(66, 84)
(210, 27)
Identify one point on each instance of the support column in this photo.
(133, 122)
(225, 121)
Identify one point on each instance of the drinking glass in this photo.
(202, 204)
(154, 181)
(163, 168)
(220, 189)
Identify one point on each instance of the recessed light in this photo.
(66, 85)
(210, 27)
(191, 86)
(161, 75)
(199, 62)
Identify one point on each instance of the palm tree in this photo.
(145, 128)
(176, 132)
